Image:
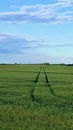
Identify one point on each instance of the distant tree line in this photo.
(36, 64)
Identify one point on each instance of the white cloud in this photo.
(50, 13)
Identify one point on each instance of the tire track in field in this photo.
(35, 84)
(38, 100)
(36, 80)
(50, 88)
(33, 88)
(48, 83)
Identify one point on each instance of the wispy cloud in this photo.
(59, 12)
(16, 44)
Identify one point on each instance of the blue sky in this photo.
(36, 31)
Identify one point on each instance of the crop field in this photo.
(36, 97)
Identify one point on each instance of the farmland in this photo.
(36, 97)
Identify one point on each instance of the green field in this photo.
(36, 97)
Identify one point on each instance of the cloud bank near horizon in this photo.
(17, 44)
(16, 48)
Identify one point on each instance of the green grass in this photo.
(30, 104)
